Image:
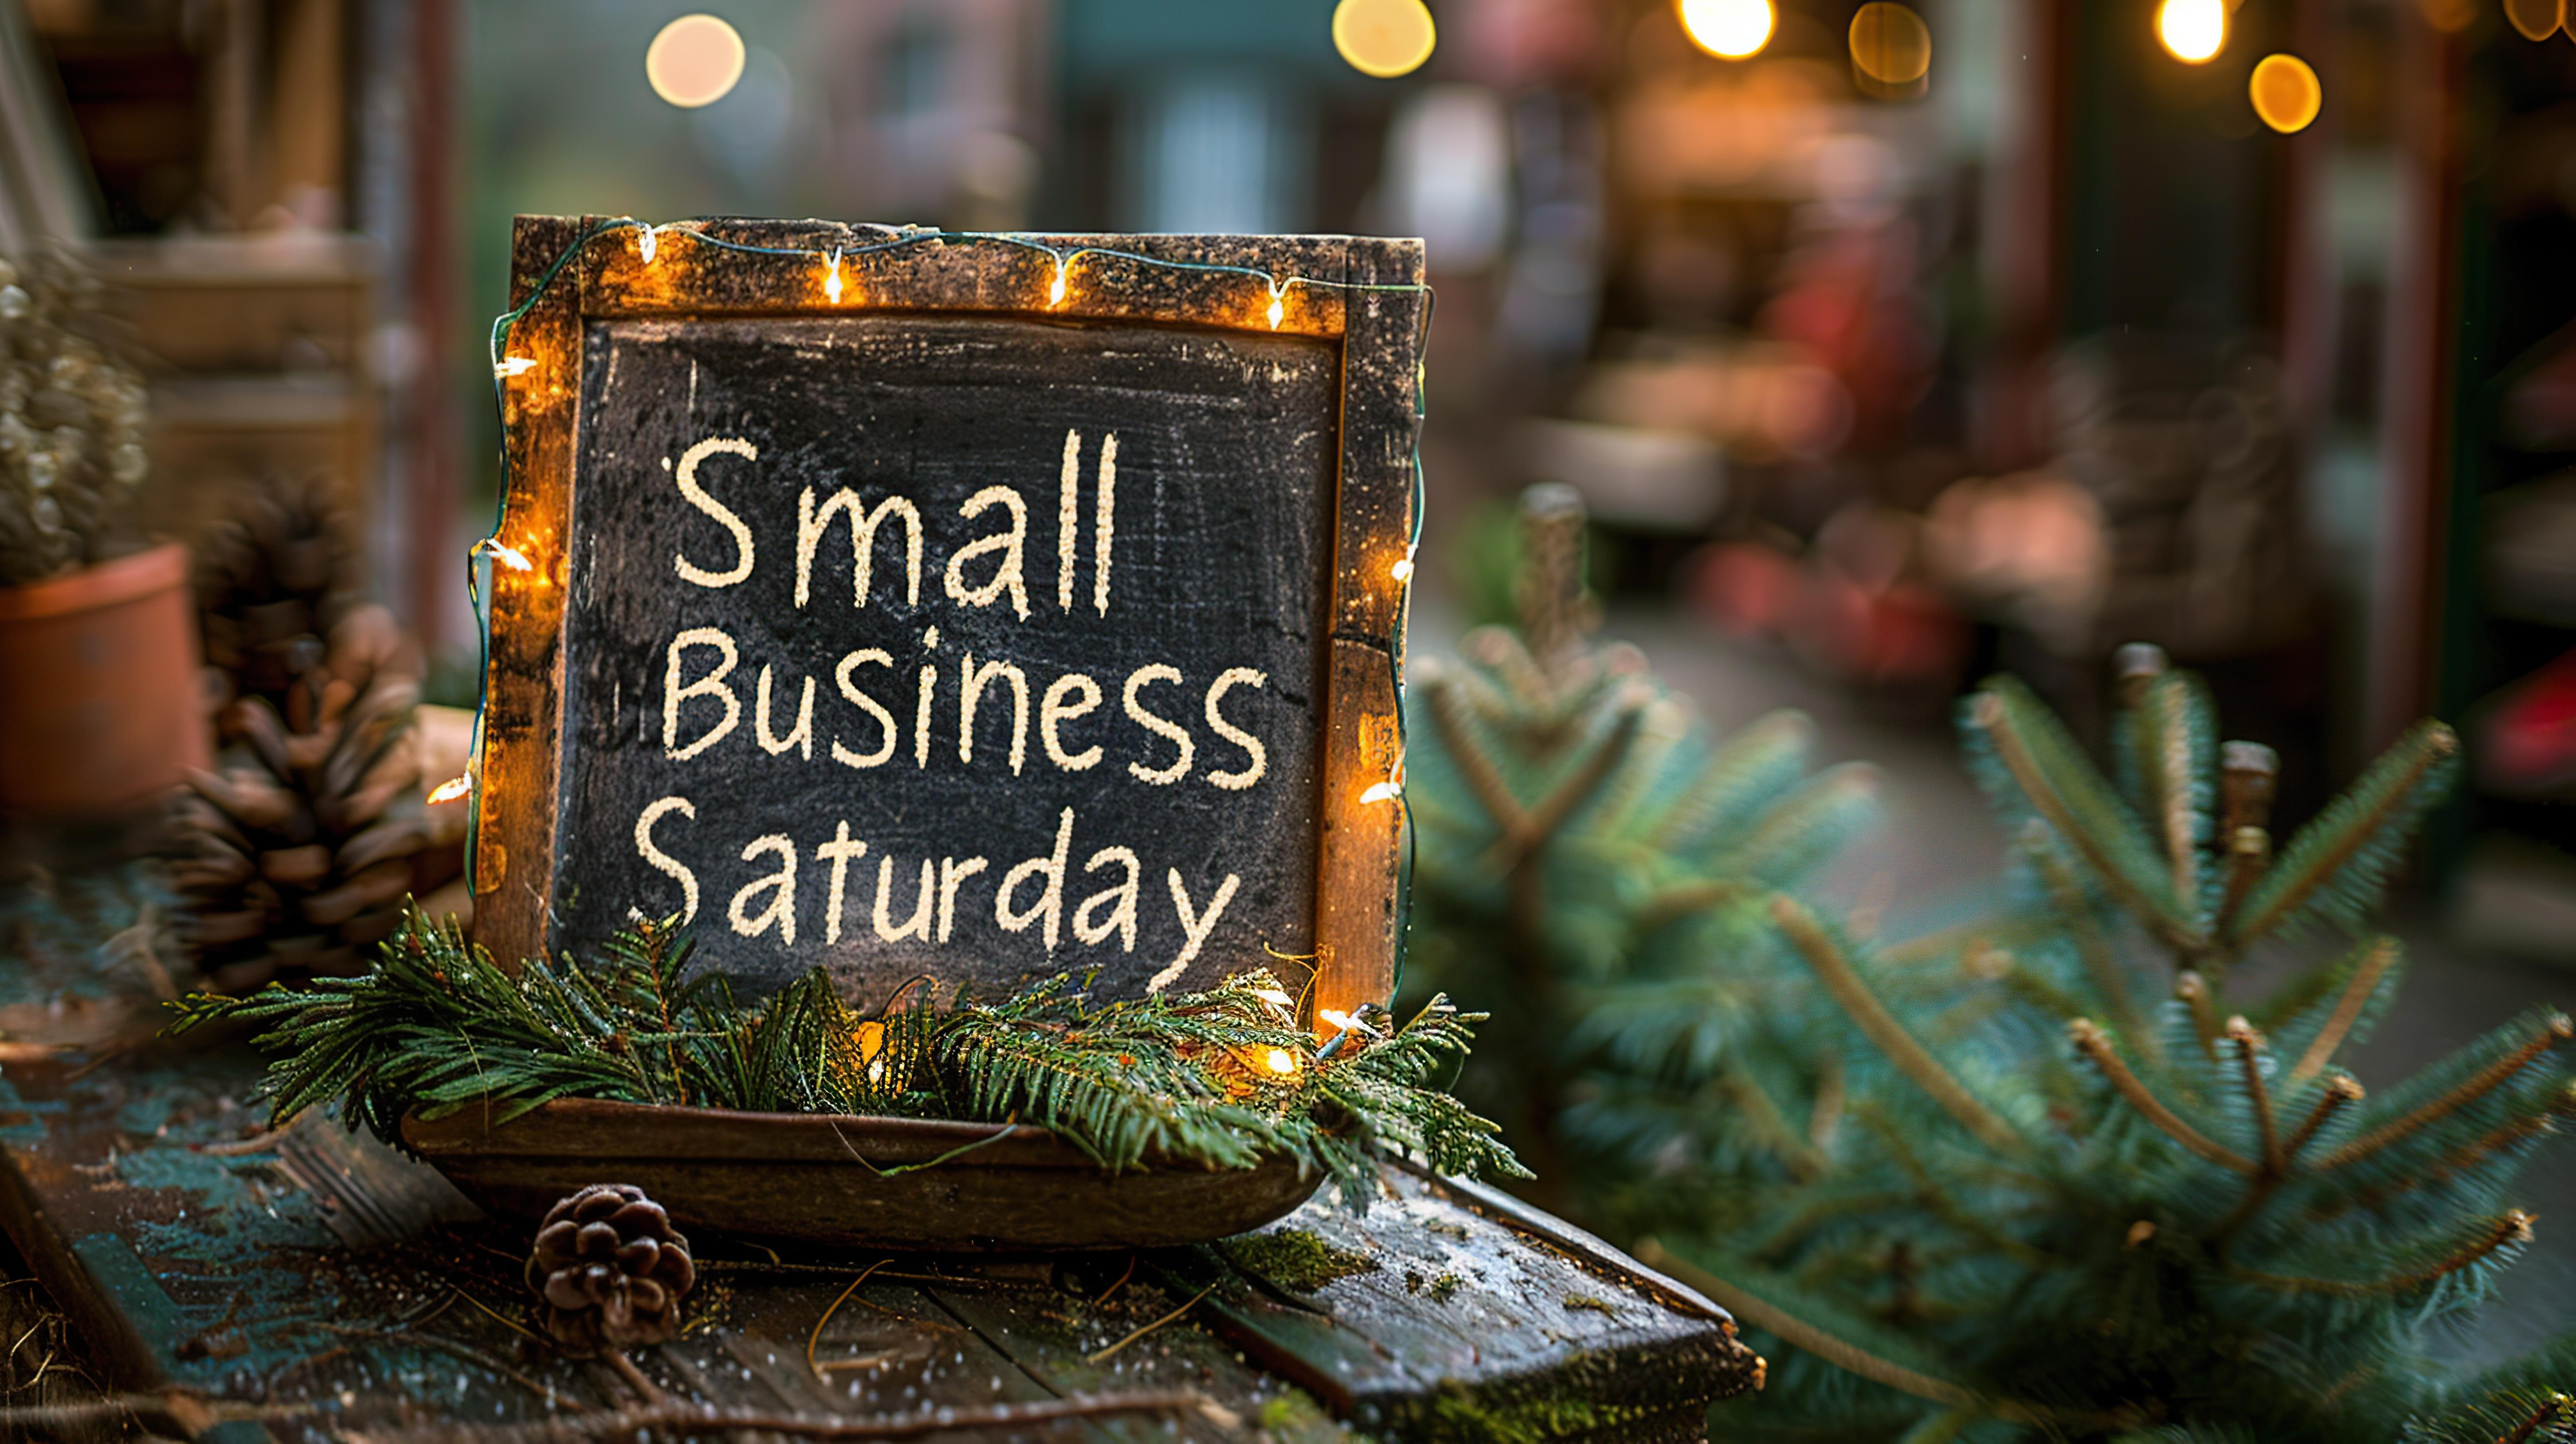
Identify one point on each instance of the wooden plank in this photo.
(317, 1271)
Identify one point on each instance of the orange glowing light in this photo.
(1282, 1062)
(452, 789)
(2285, 93)
(1382, 792)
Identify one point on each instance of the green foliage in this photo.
(2030, 1200)
(1197, 1078)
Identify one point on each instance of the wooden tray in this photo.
(824, 1179)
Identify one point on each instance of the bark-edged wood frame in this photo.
(567, 273)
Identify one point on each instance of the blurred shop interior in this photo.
(1888, 345)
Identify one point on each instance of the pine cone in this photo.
(611, 1269)
(299, 848)
(273, 579)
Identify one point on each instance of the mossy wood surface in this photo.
(319, 1276)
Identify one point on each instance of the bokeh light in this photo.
(694, 61)
(1384, 38)
(2285, 92)
(1890, 44)
(2535, 19)
(1729, 29)
(2192, 31)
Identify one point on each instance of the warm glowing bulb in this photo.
(694, 61)
(1384, 38)
(451, 789)
(832, 280)
(2285, 93)
(1403, 570)
(1055, 292)
(2193, 31)
(1335, 1016)
(1731, 29)
(1381, 792)
(1890, 44)
(513, 365)
(1281, 1062)
(1277, 311)
(515, 559)
(644, 244)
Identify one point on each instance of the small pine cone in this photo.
(611, 1269)
(274, 577)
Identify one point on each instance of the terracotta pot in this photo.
(100, 701)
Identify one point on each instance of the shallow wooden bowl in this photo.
(823, 1179)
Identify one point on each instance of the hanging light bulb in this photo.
(644, 244)
(1728, 29)
(1055, 292)
(1384, 38)
(832, 279)
(1278, 309)
(2192, 31)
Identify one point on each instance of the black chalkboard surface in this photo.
(968, 607)
(1070, 721)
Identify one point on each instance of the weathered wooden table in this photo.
(312, 1284)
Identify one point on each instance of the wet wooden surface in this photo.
(316, 1285)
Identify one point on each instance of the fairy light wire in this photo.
(479, 558)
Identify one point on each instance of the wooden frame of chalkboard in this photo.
(575, 280)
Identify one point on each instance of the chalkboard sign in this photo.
(967, 607)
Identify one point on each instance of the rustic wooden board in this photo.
(339, 1287)
(680, 423)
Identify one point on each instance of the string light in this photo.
(1384, 38)
(1278, 310)
(2192, 31)
(1055, 291)
(512, 366)
(644, 243)
(832, 279)
(1281, 1062)
(1382, 792)
(510, 556)
(1402, 571)
(1728, 29)
(2285, 93)
(694, 61)
(451, 789)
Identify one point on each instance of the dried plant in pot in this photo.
(101, 710)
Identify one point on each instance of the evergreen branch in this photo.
(2193, 989)
(2511, 1229)
(1221, 1079)
(1836, 973)
(2470, 1155)
(2091, 947)
(1803, 1159)
(2089, 821)
(2169, 714)
(2549, 1409)
(1542, 821)
(2249, 1061)
(2348, 1008)
(1744, 772)
(2342, 1090)
(2348, 834)
(1475, 763)
(2553, 1032)
(1801, 1335)
(1825, 1117)
(2089, 1041)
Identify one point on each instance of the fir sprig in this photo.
(1220, 1079)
